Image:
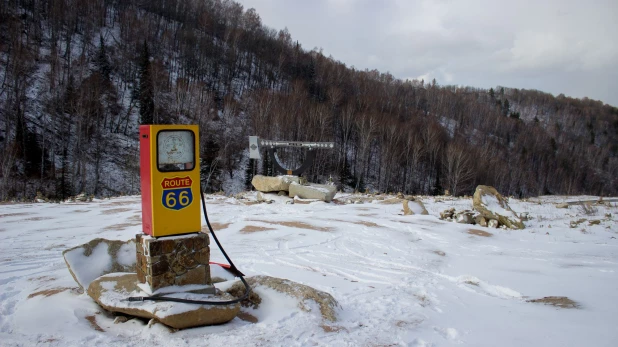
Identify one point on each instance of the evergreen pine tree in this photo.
(145, 94)
(506, 107)
(249, 173)
(437, 187)
(267, 165)
(210, 168)
(63, 185)
(28, 149)
(346, 179)
(101, 62)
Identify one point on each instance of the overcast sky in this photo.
(557, 46)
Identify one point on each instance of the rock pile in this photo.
(292, 186)
(490, 209)
(106, 270)
(491, 205)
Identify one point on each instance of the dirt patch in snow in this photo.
(33, 219)
(368, 214)
(120, 226)
(13, 214)
(219, 226)
(81, 211)
(361, 222)
(120, 203)
(300, 225)
(215, 226)
(116, 210)
(422, 300)
(391, 201)
(332, 328)
(247, 317)
(479, 233)
(135, 218)
(557, 301)
(48, 292)
(367, 224)
(253, 228)
(93, 323)
(42, 279)
(440, 253)
(413, 323)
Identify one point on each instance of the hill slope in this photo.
(78, 77)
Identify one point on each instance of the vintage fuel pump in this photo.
(170, 179)
(172, 251)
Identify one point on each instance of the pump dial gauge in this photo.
(175, 147)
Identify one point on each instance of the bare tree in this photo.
(457, 168)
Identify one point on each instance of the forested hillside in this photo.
(77, 77)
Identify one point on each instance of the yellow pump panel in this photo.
(170, 179)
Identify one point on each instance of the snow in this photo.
(163, 309)
(400, 280)
(172, 289)
(87, 270)
(126, 254)
(415, 207)
(493, 205)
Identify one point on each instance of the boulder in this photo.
(314, 191)
(263, 198)
(465, 217)
(447, 214)
(414, 207)
(491, 205)
(111, 290)
(328, 305)
(480, 220)
(359, 200)
(99, 257)
(492, 223)
(406, 208)
(273, 184)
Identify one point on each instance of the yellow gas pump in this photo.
(170, 179)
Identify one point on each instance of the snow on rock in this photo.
(273, 184)
(491, 205)
(111, 290)
(302, 293)
(99, 257)
(313, 191)
(414, 207)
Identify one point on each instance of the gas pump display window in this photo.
(175, 150)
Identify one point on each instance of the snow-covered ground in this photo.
(400, 280)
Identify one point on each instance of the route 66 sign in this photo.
(176, 192)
